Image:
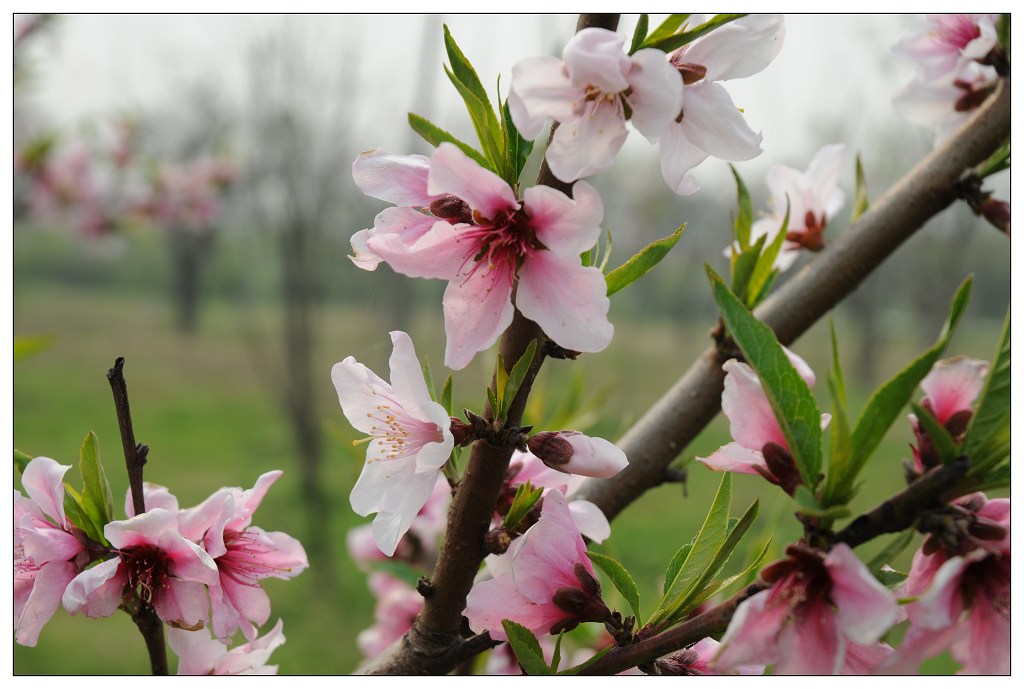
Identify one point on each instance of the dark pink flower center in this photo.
(498, 245)
(956, 31)
(146, 567)
(246, 561)
(800, 582)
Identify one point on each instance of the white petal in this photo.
(540, 91)
(714, 124)
(589, 143)
(657, 93)
(678, 157)
(595, 57)
(740, 48)
(397, 179)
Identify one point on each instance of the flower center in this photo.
(147, 571)
(498, 244)
(245, 561)
(397, 432)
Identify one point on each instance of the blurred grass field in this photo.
(205, 409)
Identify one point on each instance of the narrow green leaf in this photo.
(674, 565)
(485, 123)
(680, 39)
(82, 515)
(762, 274)
(21, 460)
(519, 149)
(493, 401)
(500, 383)
(742, 266)
(993, 406)
(525, 498)
(890, 578)
(639, 34)
(428, 379)
(860, 195)
(888, 401)
(790, 398)
(944, 443)
(435, 136)
(665, 29)
(643, 261)
(588, 662)
(556, 655)
(721, 584)
(96, 488)
(518, 373)
(526, 647)
(28, 345)
(607, 252)
(446, 395)
(745, 214)
(463, 69)
(621, 580)
(889, 552)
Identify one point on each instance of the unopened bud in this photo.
(783, 467)
(448, 207)
(957, 423)
(997, 213)
(552, 448)
(462, 431)
(497, 541)
(986, 530)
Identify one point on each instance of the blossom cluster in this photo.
(198, 568)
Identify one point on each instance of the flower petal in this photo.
(752, 422)
(567, 300)
(541, 90)
(594, 57)
(590, 520)
(96, 591)
(594, 457)
(453, 172)
(589, 143)
(182, 602)
(811, 644)
(407, 378)
(397, 179)
(548, 551)
(734, 458)
(566, 226)
(47, 589)
(739, 49)
(953, 385)
(656, 96)
(678, 156)
(713, 123)
(477, 309)
(399, 506)
(359, 391)
(437, 254)
(866, 609)
(43, 480)
(490, 602)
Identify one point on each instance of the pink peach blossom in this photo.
(696, 660)
(550, 585)
(47, 552)
(396, 609)
(946, 41)
(409, 438)
(587, 93)
(199, 654)
(571, 452)
(710, 123)
(484, 241)
(156, 563)
(817, 606)
(950, 388)
(244, 555)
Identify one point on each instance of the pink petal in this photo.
(47, 589)
(918, 645)
(752, 422)
(359, 392)
(548, 551)
(197, 652)
(734, 458)
(490, 602)
(477, 309)
(287, 558)
(155, 496)
(589, 143)
(540, 91)
(953, 385)
(361, 546)
(566, 226)
(751, 635)
(812, 644)
(863, 659)
(801, 366)
(182, 602)
(714, 124)
(408, 223)
(594, 457)
(251, 602)
(453, 172)
(440, 253)
(942, 604)
(205, 522)
(253, 497)
(44, 543)
(251, 658)
(567, 300)
(590, 520)
(983, 644)
(188, 561)
(739, 49)
(657, 93)
(43, 480)
(361, 254)
(595, 57)
(397, 179)
(97, 591)
(678, 156)
(144, 529)
(866, 609)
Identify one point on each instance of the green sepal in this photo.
(944, 443)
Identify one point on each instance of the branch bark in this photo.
(435, 645)
(144, 616)
(658, 437)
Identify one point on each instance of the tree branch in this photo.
(434, 645)
(658, 437)
(135, 454)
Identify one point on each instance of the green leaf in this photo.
(840, 442)
(944, 443)
(742, 266)
(463, 70)
(588, 662)
(518, 374)
(889, 553)
(79, 514)
(428, 379)
(810, 506)
(446, 395)
(435, 136)
(680, 39)
(860, 196)
(493, 401)
(745, 216)
(96, 489)
(500, 382)
(993, 406)
(890, 578)
(889, 400)
(484, 123)
(674, 565)
(526, 647)
(621, 580)
(665, 29)
(607, 252)
(519, 149)
(639, 34)
(720, 584)
(21, 460)
(762, 277)
(525, 498)
(26, 346)
(643, 261)
(556, 655)
(790, 398)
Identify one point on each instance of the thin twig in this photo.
(135, 454)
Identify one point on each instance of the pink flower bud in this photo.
(572, 452)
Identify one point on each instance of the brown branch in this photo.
(711, 622)
(662, 433)
(434, 645)
(135, 454)
(902, 510)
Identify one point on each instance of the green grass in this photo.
(206, 408)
